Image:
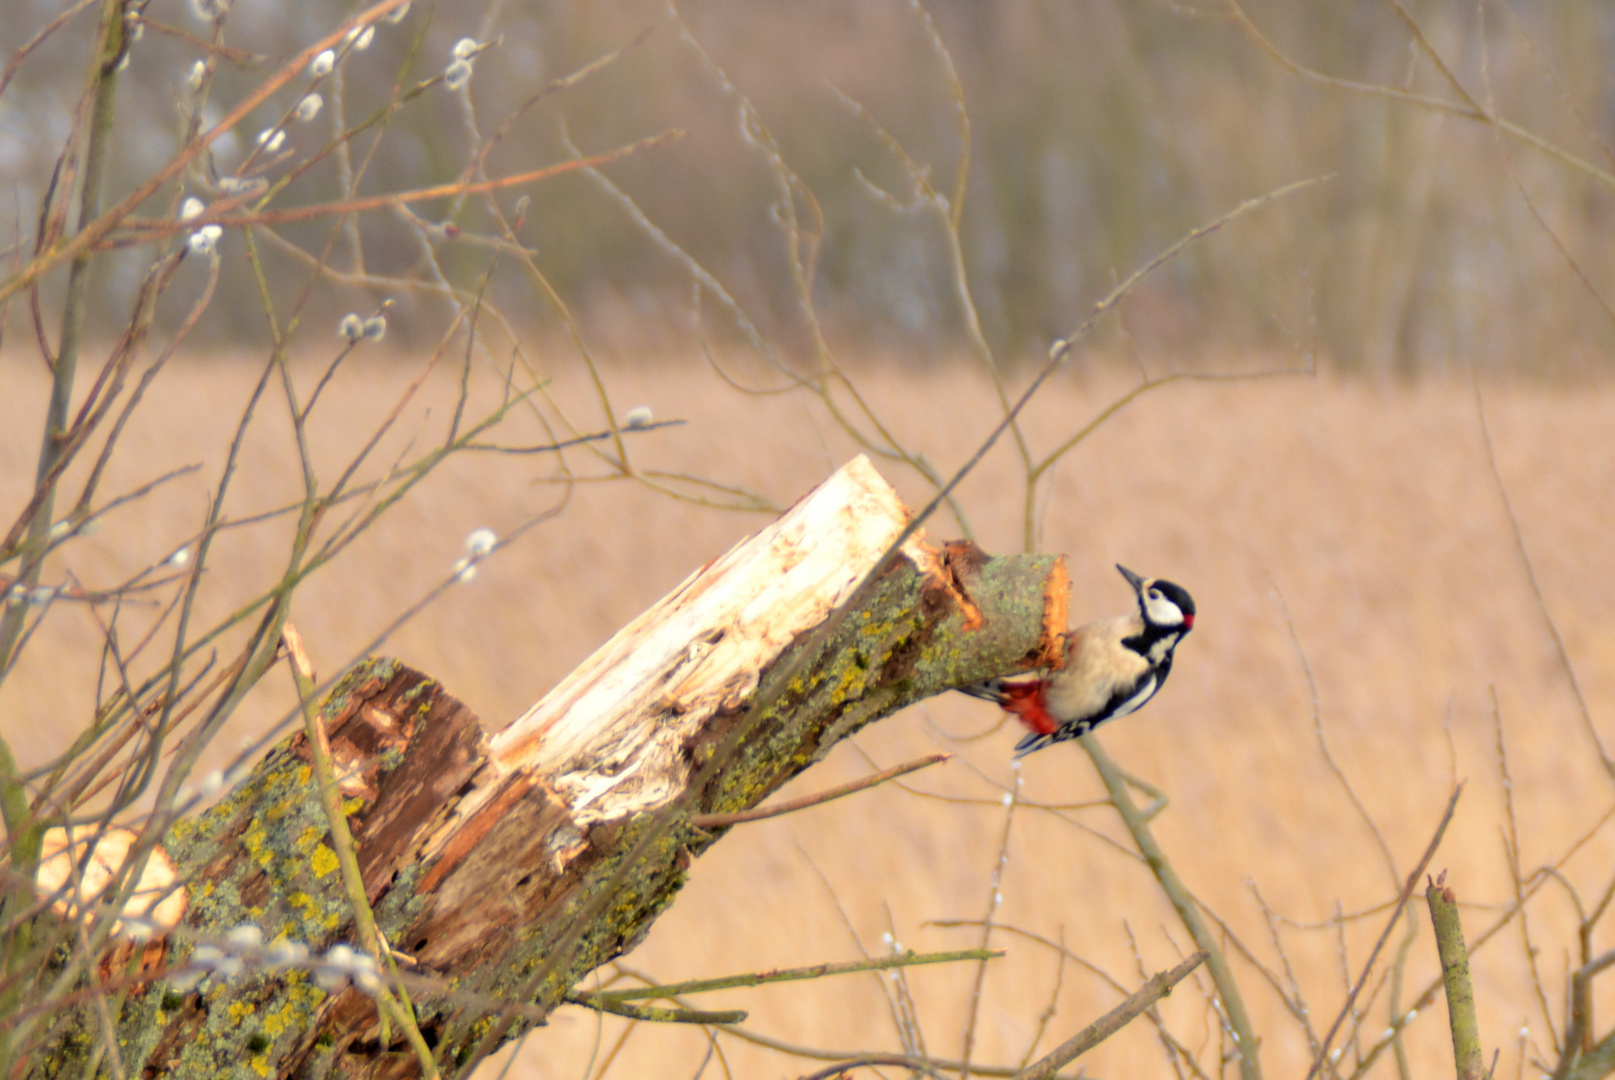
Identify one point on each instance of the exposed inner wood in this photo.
(501, 861)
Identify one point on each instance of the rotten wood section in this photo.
(512, 864)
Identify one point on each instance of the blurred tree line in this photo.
(1099, 131)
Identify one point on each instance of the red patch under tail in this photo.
(1025, 701)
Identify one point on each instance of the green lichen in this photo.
(888, 655)
(240, 1026)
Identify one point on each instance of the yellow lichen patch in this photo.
(849, 679)
(323, 861)
(308, 838)
(279, 1021)
(254, 840)
(239, 1011)
(259, 1064)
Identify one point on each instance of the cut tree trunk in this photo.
(511, 864)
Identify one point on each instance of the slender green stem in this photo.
(1188, 909)
(1468, 1057)
(1159, 985)
(816, 971)
(369, 935)
(24, 834)
(656, 1013)
(709, 822)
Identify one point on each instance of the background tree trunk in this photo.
(514, 863)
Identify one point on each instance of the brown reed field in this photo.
(1367, 618)
(1369, 425)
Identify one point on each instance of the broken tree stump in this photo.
(509, 865)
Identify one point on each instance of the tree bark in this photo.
(514, 863)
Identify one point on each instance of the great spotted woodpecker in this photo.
(1112, 667)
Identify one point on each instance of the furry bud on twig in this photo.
(457, 74)
(205, 240)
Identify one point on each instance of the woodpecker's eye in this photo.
(1155, 594)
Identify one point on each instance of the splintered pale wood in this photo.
(609, 738)
(501, 862)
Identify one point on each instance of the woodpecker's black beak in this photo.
(1132, 579)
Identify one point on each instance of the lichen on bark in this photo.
(518, 899)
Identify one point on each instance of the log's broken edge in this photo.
(472, 851)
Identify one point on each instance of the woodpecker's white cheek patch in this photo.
(1163, 612)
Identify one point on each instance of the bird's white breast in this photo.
(1097, 666)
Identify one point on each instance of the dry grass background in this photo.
(1366, 512)
(1369, 510)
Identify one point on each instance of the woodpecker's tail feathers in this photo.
(1025, 699)
(1036, 740)
(1033, 740)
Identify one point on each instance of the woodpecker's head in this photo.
(1164, 605)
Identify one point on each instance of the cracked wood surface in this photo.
(497, 861)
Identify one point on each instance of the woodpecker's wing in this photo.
(1033, 740)
(1125, 700)
(1103, 679)
(1099, 670)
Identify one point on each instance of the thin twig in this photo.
(1536, 586)
(94, 231)
(1323, 740)
(1154, 990)
(1184, 903)
(995, 900)
(761, 813)
(783, 677)
(1470, 111)
(564, 444)
(1390, 925)
(147, 228)
(1511, 852)
(816, 1053)
(1537, 880)
(654, 1013)
(914, 1064)
(370, 937)
(1054, 1001)
(815, 971)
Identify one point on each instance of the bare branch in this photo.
(1154, 990)
(761, 813)
(1390, 925)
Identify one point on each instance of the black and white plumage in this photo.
(1112, 667)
